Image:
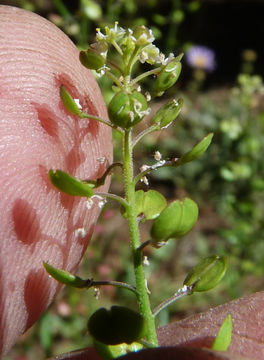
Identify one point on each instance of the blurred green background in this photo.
(227, 182)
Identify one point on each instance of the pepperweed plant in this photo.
(115, 54)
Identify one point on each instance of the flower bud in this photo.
(126, 110)
(143, 35)
(168, 76)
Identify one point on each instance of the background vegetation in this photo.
(227, 182)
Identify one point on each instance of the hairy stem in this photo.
(143, 298)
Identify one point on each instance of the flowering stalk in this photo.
(143, 297)
(127, 108)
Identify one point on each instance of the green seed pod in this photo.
(207, 274)
(175, 221)
(126, 110)
(65, 277)
(168, 76)
(69, 184)
(167, 113)
(92, 59)
(117, 325)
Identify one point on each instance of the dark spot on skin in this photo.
(48, 120)
(26, 222)
(44, 174)
(11, 287)
(36, 295)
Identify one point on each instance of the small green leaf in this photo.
(224, 336)
(175, 221)
(207, 274)
(196, 151)
(69, 184)
(65, 277)
(69, 102)
(167, 113)
(117, 325)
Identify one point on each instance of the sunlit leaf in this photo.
(175, 221)
(117, 325)
(69, 184)
(207, 274)
(65, 277)
(224, 336)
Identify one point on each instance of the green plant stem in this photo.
(93, 117)
(92, 283)
(143, 298)
(186, 290)
(145, 74)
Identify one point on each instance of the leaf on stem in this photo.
(65, 277)
(224, 336)
(196, 151)
(207, 274)
(175, 221)
(69, 184)
(117, 325)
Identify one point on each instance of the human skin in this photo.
(38, 223)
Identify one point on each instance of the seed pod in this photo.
(117, 325)
(126, 110)
(207, 274)
(65, 277)
(69, 184)
(167, 113)
(175, 221)
(168, 76)
(92, 59)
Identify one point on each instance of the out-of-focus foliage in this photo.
(229, 180)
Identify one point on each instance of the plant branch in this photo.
(185, 290)
(160, 164)
(119, 284)
(145, 74)
(144, 133)
(93, 117)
